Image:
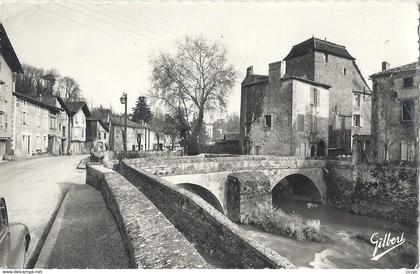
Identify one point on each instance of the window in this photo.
(53, 123)
(356, 120)
(315, 97)
(99, 135)
(83, 133)
(76, 119)
(300, 122)
(64, 131)
(104, 135)
(267, 121)
(39, 120)
(326, 57)
(5, 120)
(407, 110)
(408, 151)
(357, 100)
(344, 71)
(408, 82)
(38, 142)
(23, 118)
(1, 120)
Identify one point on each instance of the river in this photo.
(344, 251)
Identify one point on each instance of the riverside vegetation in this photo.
(293, 226)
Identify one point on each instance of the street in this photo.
(33, 190)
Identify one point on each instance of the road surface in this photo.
(33, 189)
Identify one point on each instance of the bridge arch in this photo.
(204, 193)
(298, 186)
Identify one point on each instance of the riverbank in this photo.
(350, 234)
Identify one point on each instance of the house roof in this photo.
(408, 67)
(72, 107)
(315, 44)
(42, 102)
(119, 121)
(8, 52)
(289, 77)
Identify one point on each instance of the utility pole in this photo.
(123, 100)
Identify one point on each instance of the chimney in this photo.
(274, 72)
(385, 65)
(250, 70)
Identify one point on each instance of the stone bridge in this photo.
(207, 175)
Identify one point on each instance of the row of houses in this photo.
(47, 124)
(320, 105)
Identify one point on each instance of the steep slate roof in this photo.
(408, 67)
(42, 103)
(8, 52)
(94, 119)
(315, 44)
(72, 107)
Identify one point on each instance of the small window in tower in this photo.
(344, 71)
(408, 82)
(267, 121)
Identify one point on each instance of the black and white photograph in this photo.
(202, 135)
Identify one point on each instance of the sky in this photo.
(106, 46)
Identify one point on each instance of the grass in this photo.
(293, 226)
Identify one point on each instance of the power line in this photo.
(79, 23)
(99, 19)
(158, 32)
(164, 32)
(117, 20)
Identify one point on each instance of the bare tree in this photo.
(195, 80)
(388, 124)
(69, 89)
(254, 108)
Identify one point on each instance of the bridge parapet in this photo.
(199, 164)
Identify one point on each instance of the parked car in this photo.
(14, 240)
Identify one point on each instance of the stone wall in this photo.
(245, 190)
(387, 124)
(150, 239)
(170, 166)
(215, 236)
(381, 190)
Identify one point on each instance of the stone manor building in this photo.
(322, 101)
(395, 112)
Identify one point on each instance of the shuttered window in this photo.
(315, 100)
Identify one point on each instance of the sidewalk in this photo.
(84, 234)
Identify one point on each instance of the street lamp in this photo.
(123, 101)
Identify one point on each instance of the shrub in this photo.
(293, 226)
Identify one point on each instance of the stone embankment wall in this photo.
(382, 190)
(150, 239)
(217, 238)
